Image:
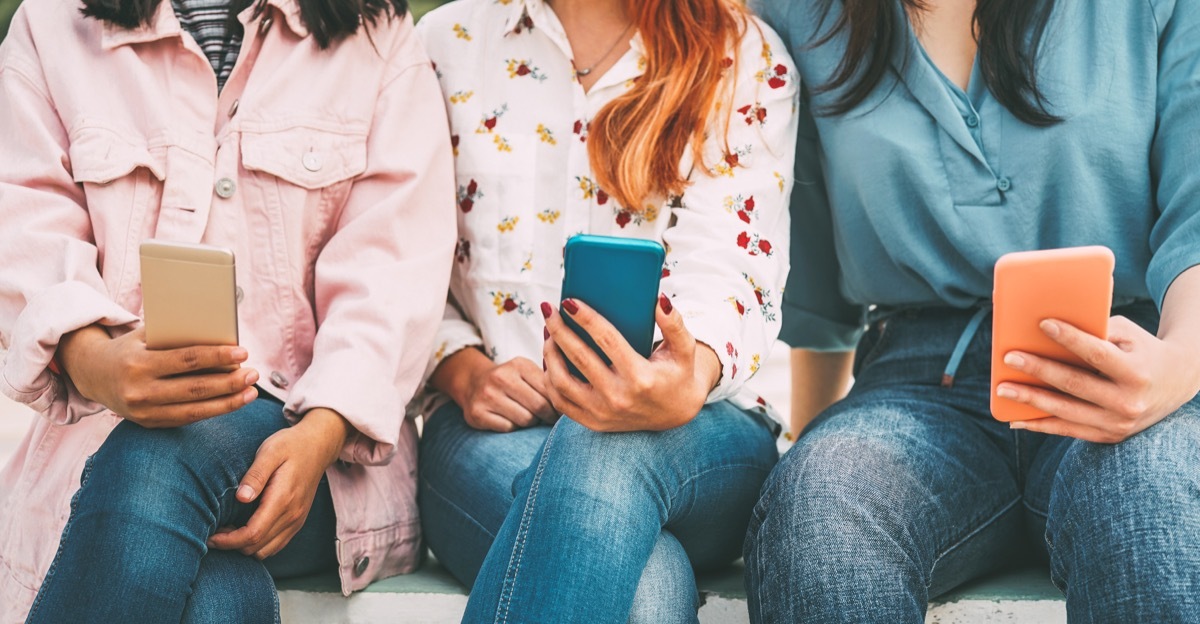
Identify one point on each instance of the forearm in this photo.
(819, 379)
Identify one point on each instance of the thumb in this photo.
(676, 337)
(266, 462)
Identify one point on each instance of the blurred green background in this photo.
(8, 7)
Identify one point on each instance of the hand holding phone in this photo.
(1073, 285)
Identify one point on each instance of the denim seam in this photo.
(83, 481)
(685, 484)
(986, 523)
(518, 554)
(1051, 549)
(466, 515)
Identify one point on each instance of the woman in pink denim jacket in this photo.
(319, 156)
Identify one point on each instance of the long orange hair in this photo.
(636, 141)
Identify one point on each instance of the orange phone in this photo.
(1074, 285)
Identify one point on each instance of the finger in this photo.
(675, 335)
(564, 406)
(514, 412)
(197, 358)
(531, 392)
(178, 414)
(192, 388)
(560, 379)
(1099, 354)
(489, 421)
(575, 349)
(1057, 426)
(607, 338)
(265, 523)
(1124, 333)
(1054, 403)
(266, 462)
(1069, 379)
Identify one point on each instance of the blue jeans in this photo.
(565, 524)
(907, 489)
(134, 547)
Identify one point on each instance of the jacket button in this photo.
(311, 161)
(265, 25)
(360, 565)
(1004, 184)
(238, 295)
(234, 107)
(278, 380)
(225, 188)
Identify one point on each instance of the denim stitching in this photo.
(514, 562)
(83, 481)
(987, 523)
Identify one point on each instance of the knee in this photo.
(666, 593)
(231, 587)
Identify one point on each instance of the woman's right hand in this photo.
(495, 397)
(153, 388)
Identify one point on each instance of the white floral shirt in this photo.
(519, 123)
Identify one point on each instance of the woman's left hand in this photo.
(634, 394)
(1141, 379)
(286, 472)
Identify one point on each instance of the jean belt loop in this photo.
(964, 341)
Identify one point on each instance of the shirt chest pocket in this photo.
(497, 204)
(121, 178)
(304, 174)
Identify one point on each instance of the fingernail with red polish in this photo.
(545, 333)
(665, 303)
(546, 309)
(570, 306)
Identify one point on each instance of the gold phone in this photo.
(189, 295)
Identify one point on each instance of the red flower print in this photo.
(734, 373)
(666, 272)
(749, 204)
(731, 159)
(472, 187)
(743, 240)
(781, 69)
(509, 304)
(463, 252)
(623, 218)
(467, 196)
(760, 400)
(775, 82)
(602, 198)
(758, 295)
(761, 114)
(467, 204)
(740, 308)
(765, 246)
(744, 216)
(729, 349)
(490, 123)
(454, 140)
(523, 70)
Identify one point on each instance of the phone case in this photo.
(189, 295)
(1074, 285)
(618, 277)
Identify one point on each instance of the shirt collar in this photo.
(165, 24)
(520, 15)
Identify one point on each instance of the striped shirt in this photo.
(209, 23)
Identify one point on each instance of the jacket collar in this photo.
(165, 24)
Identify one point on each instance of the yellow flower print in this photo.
(546, 135)
(506, 302)
(507, 224)
(779, 178)
(461, 97)
(519, 68)
(502, 143)
(549, 216)
(528, 264)
(588, 187)
(755, 363)
(461, 32)
(441, 351)
(487, 125)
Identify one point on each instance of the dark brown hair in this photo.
(326, 20)
(1009, 36)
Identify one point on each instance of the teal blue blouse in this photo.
(910, 199)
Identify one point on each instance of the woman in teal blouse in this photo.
(937, 137)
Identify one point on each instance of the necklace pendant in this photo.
(583, 72)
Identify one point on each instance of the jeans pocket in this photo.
(873, 343)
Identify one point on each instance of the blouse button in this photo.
(1004, 184)
(278, 380)
(225, 188)
(972, 121)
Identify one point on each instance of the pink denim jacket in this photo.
(329, 173)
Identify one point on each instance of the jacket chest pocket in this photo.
(306, 175)
(496, 198)
(122, 187)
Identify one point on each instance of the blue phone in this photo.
(617, 277)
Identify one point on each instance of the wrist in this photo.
(458, 374)
(330, 428)
(708, 368)
(77, 352)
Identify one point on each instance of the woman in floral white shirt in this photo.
(670, 120)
